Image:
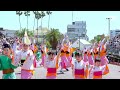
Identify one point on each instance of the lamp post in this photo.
(79, 41)
(72, 16)
(109, 26)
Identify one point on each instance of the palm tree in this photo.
(19, 13)
(53, 37)
(27, 13)
(42, 15)
(48, 13)
(37, 16)
(22, 32)
(34, 12)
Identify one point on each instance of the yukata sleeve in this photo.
(17, 59)
(86, 70)
(12, 66)
(57, 58)
(91, 73)
(105, 69)
(34, 61)
(73, 67)
(46, 62)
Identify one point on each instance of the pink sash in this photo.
(79, 71)
(51, 70)
(98, 73)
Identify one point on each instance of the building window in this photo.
(83, 26)
(71, 30)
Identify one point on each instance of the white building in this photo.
(78, 28)
(114, 33)
(83, 44)
(8, 33)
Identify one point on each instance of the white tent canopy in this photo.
(83, 44)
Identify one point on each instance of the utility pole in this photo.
(72, 16)
(109, 26)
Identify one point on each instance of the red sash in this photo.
(79, 71)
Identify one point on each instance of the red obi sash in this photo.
(97, 75)
(51, 71)
(79, 71)
(79, 74)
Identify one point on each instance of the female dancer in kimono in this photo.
(69, 58)
(64, 61)
(69, 55)
(85, 57)
(43, 55)
(6, 63)
(103, 50)
(80, 69)
(28, 59)
(90, 56)
(97, 71)
(95, 50)
(51, 64)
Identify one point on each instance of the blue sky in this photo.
(96, 20)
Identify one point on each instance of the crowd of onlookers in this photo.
(4, 40)
(114, 44)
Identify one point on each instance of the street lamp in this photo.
(72, 16)
(79, 40)
(109, 26)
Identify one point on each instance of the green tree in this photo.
(98, 38)
(22, 32)
(48, 44)
(92, 41)
(48, 13)
(53, 37)
(19, 13)
(27, 13)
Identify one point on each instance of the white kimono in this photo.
(28, 57)
(96, 69)
(78, 65)
(50, 64)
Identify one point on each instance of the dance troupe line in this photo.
(91, 63)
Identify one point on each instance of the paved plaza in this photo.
(41, 72)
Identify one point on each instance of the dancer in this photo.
(103, 57)
(80, 69)
(44, 53)
(97, 71)
(85, 57)
(64, 61)
(69, 58)
(90, 56)
(95, 50)
(6, 63)
(27, 59)
(51, 64)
